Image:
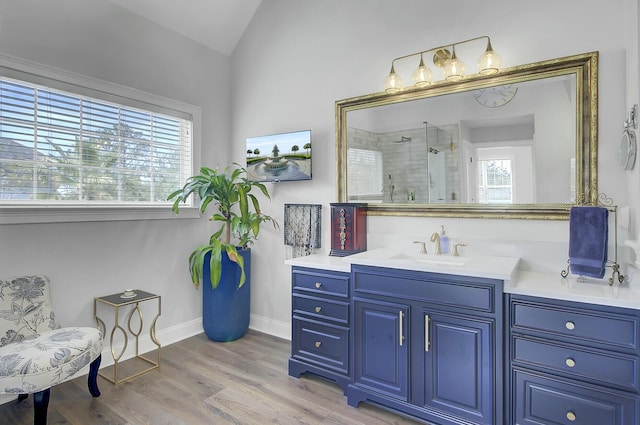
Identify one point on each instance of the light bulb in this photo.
(490, 62)
(422, 75)
(393, 82)
(454, 68)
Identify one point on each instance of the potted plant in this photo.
(225, 264)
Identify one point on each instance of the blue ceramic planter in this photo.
(226, 309)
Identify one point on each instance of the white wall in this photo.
(85, 260)
(298, 57)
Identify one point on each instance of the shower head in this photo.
(403, 139)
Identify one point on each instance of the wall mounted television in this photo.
(279, 157)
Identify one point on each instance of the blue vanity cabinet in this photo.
(459, 366)
(320, 324)
(424, 344)
(571, 362)
(381, 348)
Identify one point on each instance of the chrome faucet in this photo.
(435, 237)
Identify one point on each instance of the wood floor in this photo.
(202, 382)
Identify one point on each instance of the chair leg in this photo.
(22, 397)
(40, 406)
(93, 376)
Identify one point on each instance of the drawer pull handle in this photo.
(571, 416)
(570, 362)
(318, 309)
(318, 344)
(570, 325)
(318, 285)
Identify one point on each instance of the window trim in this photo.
(84, 85)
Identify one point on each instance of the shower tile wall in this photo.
(404, 153)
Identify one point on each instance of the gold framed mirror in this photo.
(518, 144)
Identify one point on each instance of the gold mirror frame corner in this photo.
(584, 66)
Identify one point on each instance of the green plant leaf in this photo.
(238, 211)
(238, 259)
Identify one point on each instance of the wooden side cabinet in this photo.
(427, 345)
(348, 229)
(572, 362)
(320, 324)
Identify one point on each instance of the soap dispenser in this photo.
(444, 241)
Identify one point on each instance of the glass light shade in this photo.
(454, 69)
(422, 75)
(393, 82)
(490, 62)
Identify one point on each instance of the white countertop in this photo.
(319, 261)
(573, 288)
(536, 284)
(492, 267)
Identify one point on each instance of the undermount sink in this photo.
(436, 260)
(496, 267)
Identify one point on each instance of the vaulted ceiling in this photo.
(217, 24)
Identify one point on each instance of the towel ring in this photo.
(627, 152)
(628, 143)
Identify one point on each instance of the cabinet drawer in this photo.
(544, 400)
(321, 282)
(610, 368)
(476, 294)
(322, 344)
(600, 327)
(321, 308)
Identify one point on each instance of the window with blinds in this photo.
(61, 147)
(365, 173)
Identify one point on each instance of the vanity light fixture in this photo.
(454, 68)
(393, 82)
(422, 75)
(444, 57)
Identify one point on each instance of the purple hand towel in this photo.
(588, 236)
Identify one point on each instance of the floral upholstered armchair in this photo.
(35, 352)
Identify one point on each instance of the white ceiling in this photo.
(218, 24)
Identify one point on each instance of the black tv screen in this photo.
(279, 157)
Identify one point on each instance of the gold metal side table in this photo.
(118, 301)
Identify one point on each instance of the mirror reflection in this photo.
(521, 142)
(511, 144)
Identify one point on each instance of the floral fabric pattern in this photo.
(35, 353)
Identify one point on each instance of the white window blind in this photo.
(365, 173)
(60, 147)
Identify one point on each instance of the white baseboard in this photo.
(271, 327)
(165, 337)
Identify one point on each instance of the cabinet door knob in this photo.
(318, 285)
(570, 362)
(570, 325)
(318, 344)
(318, 309)
(571, 416)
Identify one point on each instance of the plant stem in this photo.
(227, 232)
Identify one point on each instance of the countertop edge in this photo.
(520, 282)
